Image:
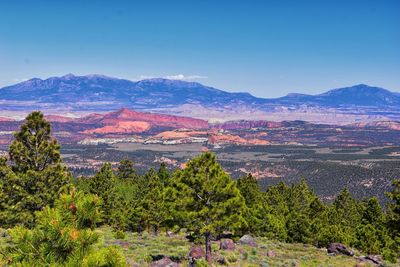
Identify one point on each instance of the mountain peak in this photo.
(124, 113)
(68, 76)
(359, 89)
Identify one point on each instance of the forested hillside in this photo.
(51, 218)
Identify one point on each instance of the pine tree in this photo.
(372, 213)
(260, 217)
(250, 190)
(103, 185)
(152, 203)
(318, 214)
(33, 148)
(35, 177)
(164, 174)
(298, 221)
(276, 197)
(345, 214)
(394, 209)
(206, 200)
(63, 236)
(393, 214)
(126, 170)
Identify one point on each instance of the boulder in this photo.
(338, 248)
(248, 240)
(164, 262)
(227, 244)
(197, 252)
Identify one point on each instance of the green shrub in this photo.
(119, 234)
(110, 257)
(389, 255)
(201, 263)
(62, 236)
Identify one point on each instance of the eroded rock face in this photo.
(227, 244)
(164, 262)
(338, 248)
(248, 240)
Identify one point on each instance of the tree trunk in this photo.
(155, 229)
(208, 248)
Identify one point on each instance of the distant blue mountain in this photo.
(150, 93)
(83, 91)
(357, 95)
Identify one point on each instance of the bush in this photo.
(389, 255)
(119, 234)
(62, 236)
(110, 257)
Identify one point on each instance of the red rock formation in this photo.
(153, 118)
(121, 127)
(2, 119)
(58, 118)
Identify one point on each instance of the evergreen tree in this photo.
(319, 222)
(126, 170)
(63, 236)
(103, 184)
(206, 200)
(372, 213)
(276, 197)
(394, 209)
(298, 221)
(164, 174)
(152, 203)
(36, 177)
(250, 190)
(393, 220)
(373, 236)
(33, 148)
(346, 214)
(260, 217)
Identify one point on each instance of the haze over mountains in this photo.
(97, 93)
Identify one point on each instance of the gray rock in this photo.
(248, 240)
(338, 248)
(197, 252)
(227, 244)
(372, 259)
(164, 262)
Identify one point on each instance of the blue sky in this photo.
(268, 48)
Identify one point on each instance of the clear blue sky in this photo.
(268, 48)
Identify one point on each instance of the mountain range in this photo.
(97, 93)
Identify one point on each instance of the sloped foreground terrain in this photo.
(149, 250)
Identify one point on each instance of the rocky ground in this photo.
(176, 250)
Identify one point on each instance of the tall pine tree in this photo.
(126, 170)
(36, 176)
(103, 184)
(206, 200)
(394, 213)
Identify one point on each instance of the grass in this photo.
(141, 250)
